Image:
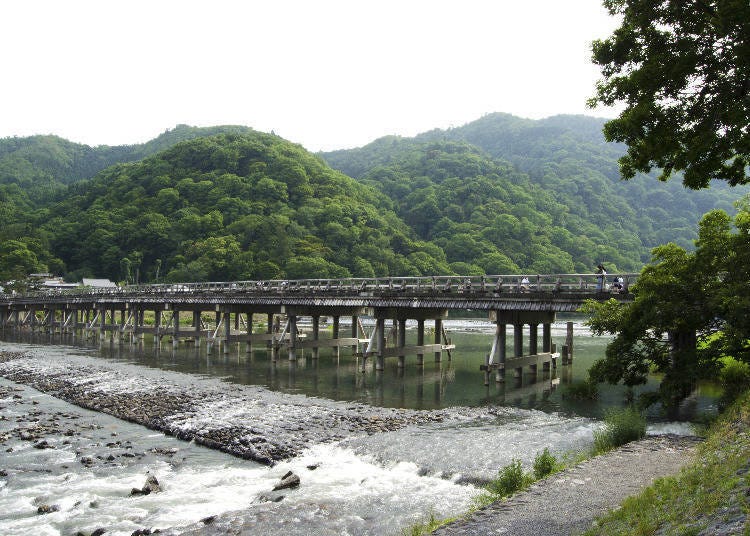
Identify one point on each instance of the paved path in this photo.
(567, 503)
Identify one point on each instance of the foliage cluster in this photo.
(689, 313)
(231, 203)
(585, 390)
(705, 497)
(734, 379)
(565, 158)
(620, 426)
(681, 69)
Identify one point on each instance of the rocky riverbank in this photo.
(253, 424)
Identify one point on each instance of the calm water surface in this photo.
(455, 381)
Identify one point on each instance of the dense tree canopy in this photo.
(498, 195)
(567, 157)
(682, 70)
(690, 310)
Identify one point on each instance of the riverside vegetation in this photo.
(620, 426)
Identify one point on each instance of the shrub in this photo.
(545, 464)
(735, 380)
(587, 390)
(511, 479)
(620, 426)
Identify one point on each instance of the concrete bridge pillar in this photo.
(533, 335)
(438, 338)
(315, 335)
(401, 341)
(249, 345)
(500, 345)
(380, 337)
(269, 329)
(175, 328)
(157, 327)
(292, 337)
(517, 340)
(336, 329)
(102, 323)
(420, 340)
(227, 331)
(355, 332)
(197, 328)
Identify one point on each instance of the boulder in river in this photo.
(151, 486)
(47, 508)
(288, 481)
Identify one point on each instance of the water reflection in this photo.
(436, 384)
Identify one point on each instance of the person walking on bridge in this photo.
(600, 277)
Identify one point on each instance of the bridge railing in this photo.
(431, 285)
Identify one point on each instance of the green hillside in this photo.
(230, 207)
(498, 195)
(567, 157)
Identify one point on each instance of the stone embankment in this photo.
(246, 421)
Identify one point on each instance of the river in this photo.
(367, 484)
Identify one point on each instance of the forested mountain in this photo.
(498, 195)
(37, 168)
(225, 207)
(568, 158)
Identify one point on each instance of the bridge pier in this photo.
(335, 335)
(497, 358)
(397, 299)
(378, 346)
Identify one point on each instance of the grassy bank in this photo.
(712, 494)
(620, 427)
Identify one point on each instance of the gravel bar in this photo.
(250, 422)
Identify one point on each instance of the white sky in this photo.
(328, 74)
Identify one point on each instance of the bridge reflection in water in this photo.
(226, 314)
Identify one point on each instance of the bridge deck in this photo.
(558, 292)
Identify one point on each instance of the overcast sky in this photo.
(327, 74)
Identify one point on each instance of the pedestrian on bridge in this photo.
(601, 275)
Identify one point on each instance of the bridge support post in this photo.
(546, 337)
(157, 327)
(518, 347)
(315, 335)
(380, 335)
(569, 341)
(102, 324)
(533, 339)
(336, 328)
(292, 337)
(355, 332)
(227, 331)
(401, 342)
(269, 329)
(249, 344)
(438, 336)
(420, 340)
(142, 323)
(175, 328)
(501, 343)
(197, 328)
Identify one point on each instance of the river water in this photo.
(370, 484)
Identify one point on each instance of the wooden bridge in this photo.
(224, 313)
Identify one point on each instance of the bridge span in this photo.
(224, 313)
